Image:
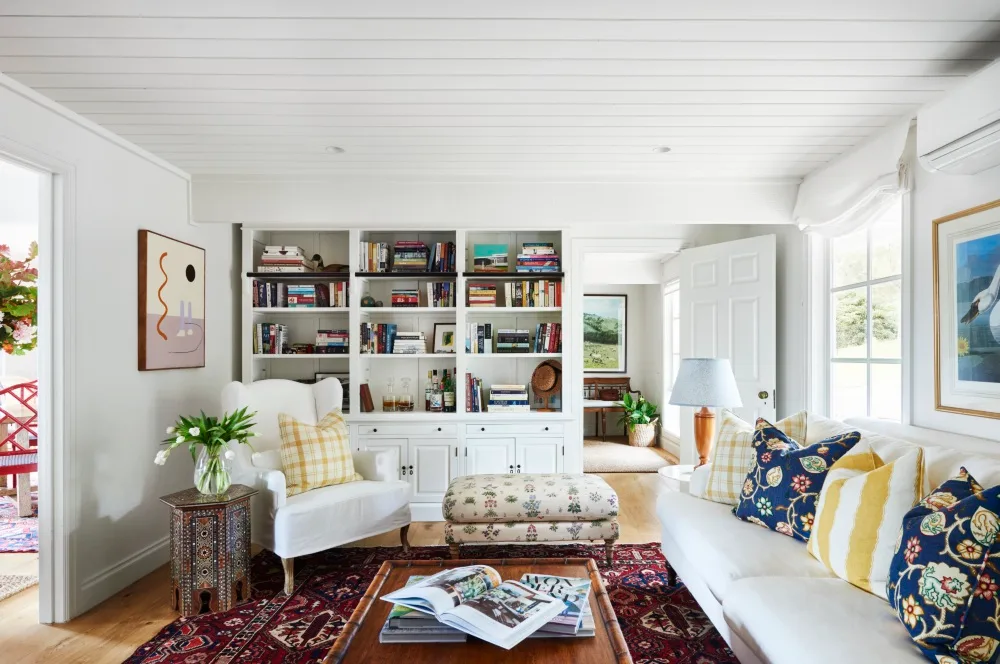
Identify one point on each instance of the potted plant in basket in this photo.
(640, 416)
(208, 439)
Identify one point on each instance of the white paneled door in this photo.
(431, 466)
(727, 294)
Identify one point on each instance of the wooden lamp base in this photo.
(704, 434)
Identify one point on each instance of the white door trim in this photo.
(56, 315)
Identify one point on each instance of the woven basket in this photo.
(642, 435)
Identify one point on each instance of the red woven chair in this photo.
(19, 438)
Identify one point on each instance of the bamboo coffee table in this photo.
(359, 640)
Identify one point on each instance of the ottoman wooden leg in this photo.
(609, 548)
(403, 538)
(454, 550)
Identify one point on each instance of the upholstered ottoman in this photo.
(530, 508)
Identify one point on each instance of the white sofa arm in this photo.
(273, 488)
(699, 481)
(377, 466)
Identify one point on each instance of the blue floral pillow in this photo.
(784, 480)
(944, 582)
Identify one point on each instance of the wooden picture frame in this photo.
(444, 337)
(966, 264)
(605, 348)
(172, 306)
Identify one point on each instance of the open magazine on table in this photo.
(477, 601)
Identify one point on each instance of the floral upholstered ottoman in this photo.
(530, 508)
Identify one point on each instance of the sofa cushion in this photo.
(726, 549)
(734, 453)
(785, 479)
(522, 497)
(316, 455)
(794, 620)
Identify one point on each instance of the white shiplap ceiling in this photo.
(571, 89)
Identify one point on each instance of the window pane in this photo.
(851, 323)
(848, 390)
(850, 258)
(886, 304)
(887, 245)
(887, 391)
(675, 336)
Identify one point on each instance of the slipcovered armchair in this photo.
(321, 518)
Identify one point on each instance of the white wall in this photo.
(20, 196)
(117, 527)
(935, 196)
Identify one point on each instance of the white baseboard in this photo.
(99, 587)
(670, 444)
(426, 512)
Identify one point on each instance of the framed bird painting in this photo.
(966, 247)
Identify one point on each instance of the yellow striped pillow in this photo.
(316, 455)
(860, 512)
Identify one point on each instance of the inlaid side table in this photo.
(209, 550)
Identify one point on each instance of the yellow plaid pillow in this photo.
(734, 453)
(317, 455)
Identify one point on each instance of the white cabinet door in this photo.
(430, 467)
(399, 445)
(489, 456)
(538, 455)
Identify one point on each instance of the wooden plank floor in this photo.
(112, 631)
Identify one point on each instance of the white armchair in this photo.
(322, 518)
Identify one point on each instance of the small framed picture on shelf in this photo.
(444, 337)
(345, 383)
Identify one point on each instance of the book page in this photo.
(447, 589)
(505, 615)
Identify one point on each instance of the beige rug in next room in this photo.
(620, 457)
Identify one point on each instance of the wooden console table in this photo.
(601, 396)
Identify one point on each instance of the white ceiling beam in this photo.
(644, 150)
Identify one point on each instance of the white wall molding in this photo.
(125, 572)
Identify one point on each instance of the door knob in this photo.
(512, 468)
(762, 394)
(411, 470)
(518, 467)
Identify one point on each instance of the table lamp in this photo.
(704, 382)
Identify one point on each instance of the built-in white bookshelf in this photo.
(342, 247)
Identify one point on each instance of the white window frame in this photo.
(671, 312)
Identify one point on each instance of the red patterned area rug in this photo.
(18, 535)
(662, 625)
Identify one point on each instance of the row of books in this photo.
(270, 339)
(540, 293)
(373, 257)
(473, 394)
(284, 258)
(482, 295)
(277, 295)
(548, 338)
(537, 257)
(332, 341)
(407, 256)
(385, 338)
(440, 294)
(480, 339)
(500, 612)
(508, 399)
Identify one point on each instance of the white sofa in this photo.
(770, 599)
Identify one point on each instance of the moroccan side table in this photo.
(209, 550)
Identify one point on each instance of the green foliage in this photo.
(18, 302)
(637, 411)
(211, 432)
(852, 320)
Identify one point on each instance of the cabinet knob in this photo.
(518, 467)
(411, 470)
(439, 428)
(374, 430)
(512, 468)
(546, 428)
(482, 429)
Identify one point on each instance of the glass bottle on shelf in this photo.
(428, 388)
(437, 396)
(449, 392)
(389, 399)
(404, 400)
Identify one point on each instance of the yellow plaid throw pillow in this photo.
(734, 453)
(316, 455)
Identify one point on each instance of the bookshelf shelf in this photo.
(408, 276)
(409, 356)
(517, 276)
(302, 356)
(300, 277)
(281, 311)
(492, 311)
(512, 356)
(408, 310)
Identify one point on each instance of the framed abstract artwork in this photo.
(966, 247)
(604, 333)
(171, 303)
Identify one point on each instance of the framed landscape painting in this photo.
(171, 303)
(966, 247)
(604, 333)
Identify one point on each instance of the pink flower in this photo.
(913, 549)
(765, 457)
(801, 483)
(986, 587)
(22, 332)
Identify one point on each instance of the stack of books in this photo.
(410, 256)
(408, 343)
(473, 394)
(480, 339)
(513, 341)
(509, 399)
(301, 295)
(548, 338)
(270, 339)
(377, 338)
(482, 295)
(537, 257)
(440, 294)
(540, 293)
(489, 258)
(442, 257)
(284, 258)
(373, 257)
(334, 342)
(405, 297)
(577, 619)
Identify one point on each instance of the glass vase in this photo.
(212, 472)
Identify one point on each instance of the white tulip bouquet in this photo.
(208, 439)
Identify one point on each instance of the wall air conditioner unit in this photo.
(960, 134)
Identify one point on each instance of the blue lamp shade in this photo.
(705, 381)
